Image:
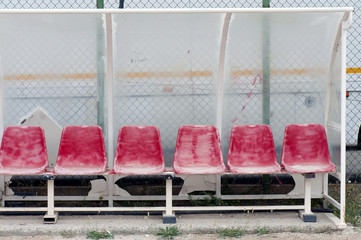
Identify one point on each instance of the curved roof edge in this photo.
(175, 10)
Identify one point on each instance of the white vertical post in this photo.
(2, 190)
(1, 107)
(307, 200)
(51, 201)
(51, 216)
(343, 125)
(218, 186)
(325, 187)
(168, 216)
(2, 177)
(220, 85)
(327, 110)
(221, 70)
(109, 81)
(168, 197)
(306, 215)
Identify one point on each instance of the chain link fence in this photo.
(62, 80)
(47, 4)
(353, 101)
(79, 75)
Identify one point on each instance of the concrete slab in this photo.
(187, 223)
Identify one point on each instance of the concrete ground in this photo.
(276, 225)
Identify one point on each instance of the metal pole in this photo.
(121, 3)
(266, 67)
(100, 3)
(100, 68)
(343, 125)
(1, 106)
(266, 81)
(110, 127)
(2, 177)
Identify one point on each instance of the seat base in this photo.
(310, 168)
(51, 219)
(309, 217)
(269, 169)
(169, 219)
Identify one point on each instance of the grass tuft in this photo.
(231, 232)
(168, 233)
(67, 234)
(353, 202)
(262, 231)
(99, 235)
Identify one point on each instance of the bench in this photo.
(198, 152)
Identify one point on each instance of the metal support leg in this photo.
(325, 189)
(51, 216)
(111, 183)
(218, 186)
(307, 215)
(169, 216)
(2, 191)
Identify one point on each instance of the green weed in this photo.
(262, 231)
(231, 232)
(210, 200)
(99, 235)
(67, 234)
(168, 233)
(353, 202)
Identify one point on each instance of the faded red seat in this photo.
(305, 149)
(81, 151)
(23, 151)
(198, 151)
(252, 150)
(139, 151)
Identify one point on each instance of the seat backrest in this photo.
(23, 150)
(139, 151)
(81, 151)
(252, 146)
(198, 150)
(306, 145)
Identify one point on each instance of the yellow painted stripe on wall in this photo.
(50, 76)
(83, 76)
(166, 74)
(353, 70)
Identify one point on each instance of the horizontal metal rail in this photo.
(23, 209)
(159, 197)
(174, 10)
(332, 201)
(154, 209)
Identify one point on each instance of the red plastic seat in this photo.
(81, 151)
(139, 151)
(305, 149)
(198, 151)
(23, 151)
(252, 150)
